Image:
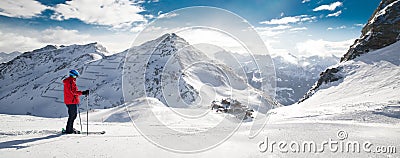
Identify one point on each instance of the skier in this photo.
(71, 99)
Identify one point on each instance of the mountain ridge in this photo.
(6, 57)
(35, 77)
(294, 77)
(382, 30)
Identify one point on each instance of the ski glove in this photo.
(86, 92)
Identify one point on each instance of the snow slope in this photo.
(367, 111)
(32, 82)
(29, 136)
(364, 104)
(367, 91)
(181, 76)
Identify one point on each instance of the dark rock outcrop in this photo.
(382, 29)
(329, 75)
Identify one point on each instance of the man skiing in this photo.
(71, 99)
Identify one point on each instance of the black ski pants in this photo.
(72, 112)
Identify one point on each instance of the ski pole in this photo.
(79, 113)
(87, 114)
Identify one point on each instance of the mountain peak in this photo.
(382, 29)
(100, 48)
(46, 48)
(172, 37)
(6, 57)
(95, 46)
(169, 35)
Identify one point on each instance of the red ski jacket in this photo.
(71, 93)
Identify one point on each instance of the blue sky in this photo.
(299, 27)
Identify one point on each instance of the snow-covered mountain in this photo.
(179, 75)
(355, 103)
(36, 77)
(32, 82)
(382, 30)
(364, 87)
(6, 57)
(157, 57)
(294, 77)
(367, 89)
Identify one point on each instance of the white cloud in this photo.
(336, 14)
(282, 52)
(166, 15)
(298, 29)
(117, 14)
(359, 25)
(21, 8)
(272, 31)
(149, 16)
(138, 28)
(341, 27)
(273, 51)
(147, 28)
(153, 28)
(59, 35)
(211, 37)
(309, 18)
(323, 48)
(27, 40)
(305, 1)
(290, 19)
(275, 28)
(115, 42)
(330, 7)
(15, 42)
(337, 28)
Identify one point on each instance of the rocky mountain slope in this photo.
(6, 57)
(382, 30)
(32, 82)
(367, 91)
(179, 75)
(166, 68)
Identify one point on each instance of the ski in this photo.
(85, 133)
(63, 131)
(96, 132)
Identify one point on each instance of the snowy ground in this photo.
(361, 108)
(29, 136)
